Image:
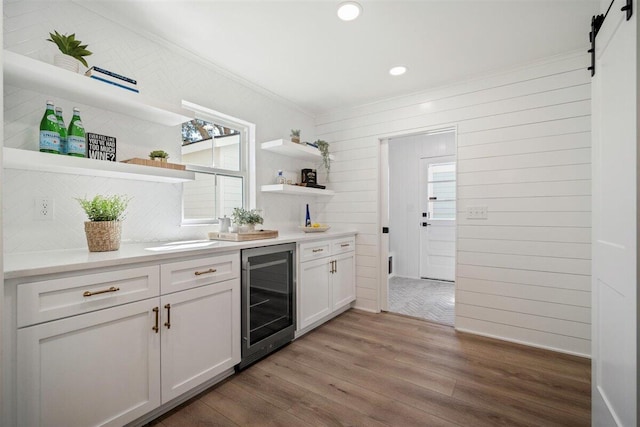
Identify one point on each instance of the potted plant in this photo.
(73, 51)
(159, 155)
(243, 217)
(295, 135)
(323, 146)
(104, 227)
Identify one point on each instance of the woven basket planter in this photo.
(103, 236)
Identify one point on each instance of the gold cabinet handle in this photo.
(317, 250)
(333, 267)
(104, 291)
(168, 322)
(211, 270)
(156, 310)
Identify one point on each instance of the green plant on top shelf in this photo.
(242, 216)
(68, 45)
(105, 208)
(295, 135)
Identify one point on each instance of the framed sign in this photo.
(101, 147)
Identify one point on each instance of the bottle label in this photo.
(52, 118)
(79, 124)
(76, 145)
(49, 140)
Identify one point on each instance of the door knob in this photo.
(424, 224)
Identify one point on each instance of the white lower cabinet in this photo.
(200, 336)
(113, 365)
(326, 280)
(314, 292)
(95, 369)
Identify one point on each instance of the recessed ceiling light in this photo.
(349, 10)
(398, 71)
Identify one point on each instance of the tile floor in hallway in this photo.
(427, 299)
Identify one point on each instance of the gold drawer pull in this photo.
(317, 250)
(211, 270)
(344, 245)
(104, 291)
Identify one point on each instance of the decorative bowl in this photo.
(314, 229)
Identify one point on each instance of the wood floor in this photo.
(365, 369)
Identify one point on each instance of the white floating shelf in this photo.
(291, 149)
(296, 190)
(53, 81)
(14, 158)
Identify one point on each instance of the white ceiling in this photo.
(302, 52)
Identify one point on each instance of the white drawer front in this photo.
(346, 244)
(314, 250)
(181, 275)
(53, 299)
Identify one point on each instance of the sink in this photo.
(188, 244)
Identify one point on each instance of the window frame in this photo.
(247, 158)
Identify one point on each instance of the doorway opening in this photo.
(421, 200)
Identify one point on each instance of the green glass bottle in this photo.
(76, 139)
(63, 131)
(49, 131)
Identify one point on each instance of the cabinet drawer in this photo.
(346, 244)
(181, 275)
(53, 299)
(313, 250)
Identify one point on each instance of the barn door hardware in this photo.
(596, 23)
(628, 8)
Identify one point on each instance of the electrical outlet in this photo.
(44, 209)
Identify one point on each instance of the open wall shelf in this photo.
(14, 158)
(291, 149)
(295, 190)
(53, 81)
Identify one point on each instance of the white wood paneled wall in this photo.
(524, 141)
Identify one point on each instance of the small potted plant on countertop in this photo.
(295, 135)
(159, 155)
(72, 51)
(104, 227)
(250, 218)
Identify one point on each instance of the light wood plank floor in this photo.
(364, 369)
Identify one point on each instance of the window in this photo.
(218, 149)
(441, 190)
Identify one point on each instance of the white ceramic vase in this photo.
(67, 62)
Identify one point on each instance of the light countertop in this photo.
(28, 264)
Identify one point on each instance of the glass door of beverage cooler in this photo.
(268, 298)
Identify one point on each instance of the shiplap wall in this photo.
(524, 152)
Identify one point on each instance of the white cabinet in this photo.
(107, 348)
(200, 336)
(326, 284)
(314, 291)
(98, 369)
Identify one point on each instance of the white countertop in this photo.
(27, 264)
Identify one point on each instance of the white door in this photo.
(343, 287)
(438, 217)
(96, 369)
(314, 291)
(200, 335)
(615, 208)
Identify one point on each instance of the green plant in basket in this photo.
(68, 45)
(105, 208)
(242, 216)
